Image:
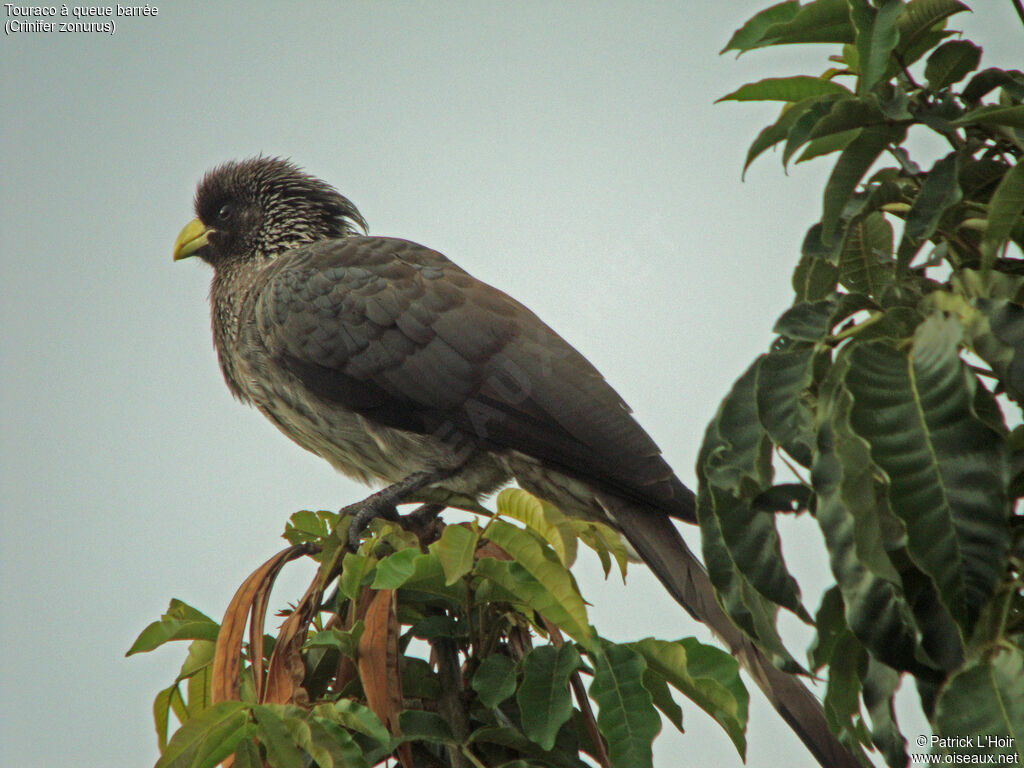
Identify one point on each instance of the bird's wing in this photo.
(401, 335)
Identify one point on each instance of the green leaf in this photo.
(950, 63)
(542, 583)
(247, 755)
(332, 747)
(939, 193)
(661, 696)
(418, 725)
(1000, 341)
(784, 377)
(542, 517)
(824, 145)
(879, 690)
(281, 749)
(842, 696)
(993, 115)
(605, 541)
(877, 35)
(779, 130)
(739, 539)
(858, 530)
(917, 26)
(947, 470)
(846, 115)
(1004, 211)
(208, 738)
(988, 79)
(180, 622)
(626, 714)
(817, 273)
(355, 717)
(456, 550)
(820, 21)
(866, 263)
(393, 571)
(791, 89)
(353, 571)
(986, 698)
(543, 698)
(854, 162)
(724, 699)
(750, 34)
(169, 698)
(495, 680)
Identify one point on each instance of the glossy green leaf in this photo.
(919, 21)
(456, 550)
(989, 79)
(180, 622)
(950, 63)
(739, 540)
(939, 192)
(877, 35)
(846, 115)
(495, 680)
(354, 570)
(947, 470)
(419, 725)
(824, 145)
(281, 749)
(819, 21)
(1004, 210)
(168, 699)
(542, 583)
(543, 697)
(393, 571)
(333, 747)
(247, 755)
(1004, 351)
(985, 699)
(993, 115)
(842, 695)
(707, 676)
(355, 717)
(817, 272)
(779, 130)
(879, 688)
(207, 738)
(661, 697)
(854, 162)
(542, 517)
(866, 263)
(784, 378)
(858, 530)
(750, 34)
(626, 714)
(791, 89)
(605, 541)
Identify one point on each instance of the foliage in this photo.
(465, 645)
(893, 378)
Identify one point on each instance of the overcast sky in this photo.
(568, 153)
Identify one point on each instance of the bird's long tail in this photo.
(660, 545)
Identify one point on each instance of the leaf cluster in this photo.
(467, 645)
(889, 393)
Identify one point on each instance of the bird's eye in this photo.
(225, 212)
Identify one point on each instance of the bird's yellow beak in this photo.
(191, 238)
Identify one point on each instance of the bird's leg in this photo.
(383, 503)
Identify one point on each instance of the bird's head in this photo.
(260, 208)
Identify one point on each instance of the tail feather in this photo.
(660, 545)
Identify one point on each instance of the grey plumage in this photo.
(387, 359)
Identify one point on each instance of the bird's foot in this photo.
(384, 503)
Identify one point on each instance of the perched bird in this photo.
(395, 365)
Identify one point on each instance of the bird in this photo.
(397, 366)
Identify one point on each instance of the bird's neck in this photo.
(229, 295)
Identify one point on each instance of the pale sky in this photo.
(568, 153)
